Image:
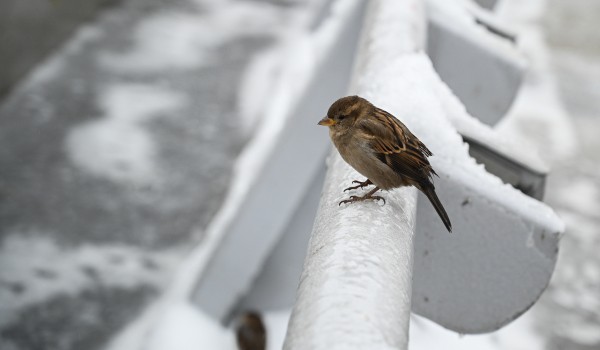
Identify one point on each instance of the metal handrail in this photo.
(355, 290)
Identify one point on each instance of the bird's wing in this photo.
(397, 147)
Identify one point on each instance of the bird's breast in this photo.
(360, 156)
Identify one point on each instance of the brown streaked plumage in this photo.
(251, 333)
(381, 148)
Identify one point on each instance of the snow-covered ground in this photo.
(115, 151)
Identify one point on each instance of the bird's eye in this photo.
(341, 117)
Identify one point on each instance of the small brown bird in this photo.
(381, 148)
(251, 333)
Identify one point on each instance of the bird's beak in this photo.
(326, 121)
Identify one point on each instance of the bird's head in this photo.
(344, 112)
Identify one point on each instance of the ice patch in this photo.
(118, 146)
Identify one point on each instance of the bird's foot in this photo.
(365, 183)
(366, 197)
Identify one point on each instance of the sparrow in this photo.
(251, 332)
(381, 148)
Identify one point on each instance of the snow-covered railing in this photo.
(356, 287)
(355, 291)
(368, 265)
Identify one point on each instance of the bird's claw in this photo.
(360, 185)
(349, 200)
(353, 199)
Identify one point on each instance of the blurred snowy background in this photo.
(116, 151)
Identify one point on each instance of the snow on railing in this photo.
(356, 285)
(368, 265)
(355, 291)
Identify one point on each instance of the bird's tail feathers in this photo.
(435, 201)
